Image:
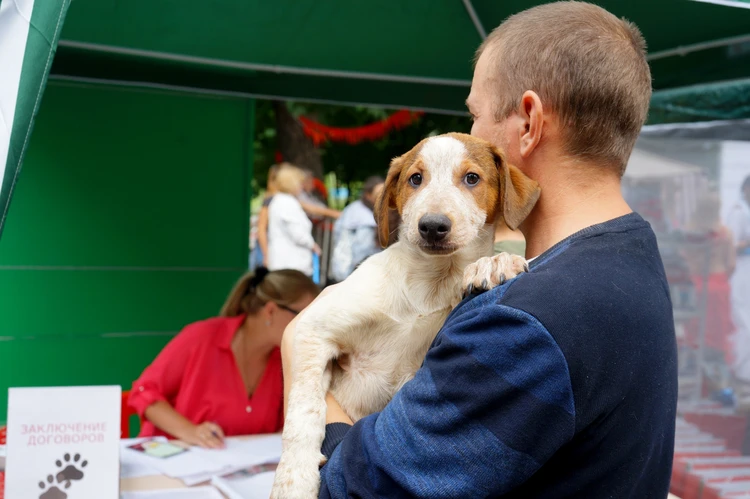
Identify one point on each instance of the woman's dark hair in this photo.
(255, 289)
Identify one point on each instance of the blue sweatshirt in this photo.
(561, 383)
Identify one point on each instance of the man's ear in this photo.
(518, 193)
(387, 200)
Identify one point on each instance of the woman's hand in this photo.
(316, 249)
(207, 435)
(166, 418)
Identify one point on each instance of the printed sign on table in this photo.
(63, 443)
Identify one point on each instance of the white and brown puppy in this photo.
(381, 320)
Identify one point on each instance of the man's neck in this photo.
(563, 210)
(504, 233)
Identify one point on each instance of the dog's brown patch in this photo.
(395, 192)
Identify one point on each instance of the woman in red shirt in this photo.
(222, 376)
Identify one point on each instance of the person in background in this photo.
(738, 222)
(312, 191)
(222, 376)
(263, 215)
(290, 241)
(313, 199)
(507, 240)
(314, 196)
(710, 256)
(313, 209)
(355, 234)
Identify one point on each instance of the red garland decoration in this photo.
(320, 133)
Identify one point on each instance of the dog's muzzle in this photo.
(434, 228)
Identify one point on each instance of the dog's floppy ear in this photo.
(387, 200)
(518, 193)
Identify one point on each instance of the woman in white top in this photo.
(290, 241)
(739, 223)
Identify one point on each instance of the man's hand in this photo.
(287, 358)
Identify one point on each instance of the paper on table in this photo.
(191, 480)
(242, 453)
(127, 442)
(131, 466)
(238, 454)
(177, 466)
(269, 447)
(253, 487)
(194, 493)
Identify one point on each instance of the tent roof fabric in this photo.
(728, 100)
(414, 54)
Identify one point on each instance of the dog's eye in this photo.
(471, 178)
(415, 180)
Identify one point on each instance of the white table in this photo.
(162, 482)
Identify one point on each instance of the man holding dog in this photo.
(562, 382)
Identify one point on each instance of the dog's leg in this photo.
(297, 475)
(491, 271)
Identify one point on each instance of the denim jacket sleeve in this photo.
(492, 402)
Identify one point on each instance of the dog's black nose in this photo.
(434, 228)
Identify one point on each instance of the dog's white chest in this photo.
(385, 359)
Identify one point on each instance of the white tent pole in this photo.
(79, 80)
(475, 19)
(269, 68)
(697, 47)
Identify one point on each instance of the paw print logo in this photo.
(50, 490)
(70, 471)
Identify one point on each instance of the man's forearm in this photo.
(334, 412)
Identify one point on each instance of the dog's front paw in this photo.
(297, 476)
(491, 271)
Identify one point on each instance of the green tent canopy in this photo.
(415, 54)
(412, 54)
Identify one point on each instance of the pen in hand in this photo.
(218, 434)
(211, 435)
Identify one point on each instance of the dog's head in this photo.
(448, 188)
